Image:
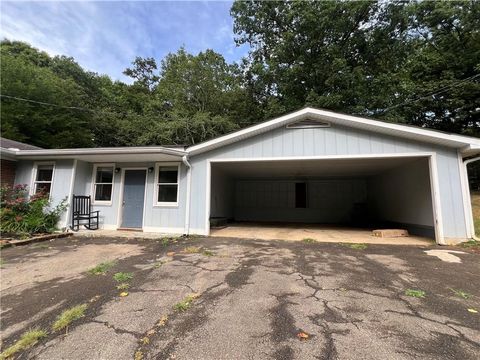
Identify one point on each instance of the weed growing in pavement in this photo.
(69, 316)
(355, 246)
(415, 293)
(122, 277)
(208, 253)
(191, 250)
(123, 286)
(185, 304)
(462, 294)
(27, 340)
(102, 268)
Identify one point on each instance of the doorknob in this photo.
(123, 203)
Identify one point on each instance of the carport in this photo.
(331, 198)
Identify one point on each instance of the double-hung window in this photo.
(43, 179)
(166, 183)
(103, 183)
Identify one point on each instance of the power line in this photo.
(47, 104)
(437, 92)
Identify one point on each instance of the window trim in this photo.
(156, 203)
(94, 179)
(33, 184)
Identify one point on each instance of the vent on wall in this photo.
(308, 124)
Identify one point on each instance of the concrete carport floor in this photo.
(292, 199)
(320, 233)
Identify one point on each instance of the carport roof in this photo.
(467, 145)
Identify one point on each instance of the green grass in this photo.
(1, 262)
(461, 293)
(191, 250)
(185, 304)
(477, 227)
(359, 246)
(122, 277)
(69, 316)
(472, 244)
(102, 268)
(158, 264)
(309, 241)
(415, 293)
(27, 340)
(165, 241)
(208, 253)
(123, 286)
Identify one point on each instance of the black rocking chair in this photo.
(82, 212)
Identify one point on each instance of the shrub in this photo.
(24, 215)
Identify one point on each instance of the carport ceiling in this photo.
(310, 168)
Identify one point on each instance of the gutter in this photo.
(100, 151)
(465, 164)
(8, 154)
(186, 230)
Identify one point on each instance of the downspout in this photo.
(186, 229)
(465, 163)
(70, 194)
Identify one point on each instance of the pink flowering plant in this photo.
(23, 215)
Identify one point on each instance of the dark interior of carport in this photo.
(357, 192)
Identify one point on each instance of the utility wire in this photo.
(437, 92)
(45, 103)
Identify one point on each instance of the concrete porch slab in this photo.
(127, 234)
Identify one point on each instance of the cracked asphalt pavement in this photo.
(252, 299)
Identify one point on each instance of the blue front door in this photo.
(133, 198)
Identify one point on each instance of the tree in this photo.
(42, 125)
(368, 58)
(143, 71)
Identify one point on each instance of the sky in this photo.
(105, 37)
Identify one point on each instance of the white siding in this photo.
(336, 140)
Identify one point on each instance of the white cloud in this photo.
(106, 36)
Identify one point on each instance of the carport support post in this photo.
(437, 209)
(186, 229)
(467, 196)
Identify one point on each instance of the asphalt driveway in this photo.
(217, 298)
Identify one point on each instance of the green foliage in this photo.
(415, 293)
(27, 340)
(69, 316)
(309, 241)
(186, 303)
(461, 293)
(366, 57)
(208, 253)
(471, 244)
(414, 62)
(102, 268)
(123, 286)
(23, 215)
(122, 277)
(355, 246)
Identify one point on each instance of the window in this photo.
(300, 195)
(43, 178)
(103, 184)
(167, 184)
